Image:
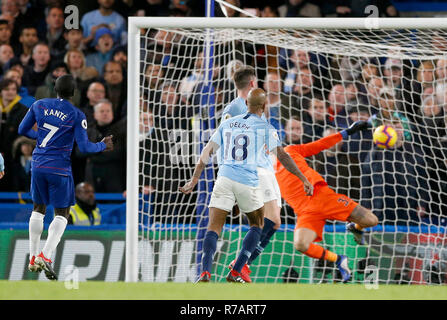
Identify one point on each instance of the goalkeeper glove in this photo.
(353, 128)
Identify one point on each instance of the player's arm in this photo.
(274, 145)
(315, 147)
(290, 165)
(205, 156)
(27, 123)
(2, 166)
(84, 144)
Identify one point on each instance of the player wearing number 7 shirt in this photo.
(325, 204)
(242, 141)
(59, 123)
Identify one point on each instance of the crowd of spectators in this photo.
(310, 95)
(36, 48)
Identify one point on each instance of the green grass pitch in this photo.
(96, 290)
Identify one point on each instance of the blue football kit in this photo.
(59, 124)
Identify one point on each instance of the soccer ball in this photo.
(385, 136)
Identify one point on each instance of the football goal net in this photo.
(320, 75)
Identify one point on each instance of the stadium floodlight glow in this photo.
(164, 228)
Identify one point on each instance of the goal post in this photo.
(164, 227)
(132, 184)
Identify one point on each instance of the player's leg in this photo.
(216, 221)
(251, 202)
(304, 242)
(272, 211)
(55, 232)
(251, 239)
(35, 227)
(221, 203)
(272, 222)
(61, 194)
(361, 218)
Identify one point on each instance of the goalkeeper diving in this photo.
(325, 204)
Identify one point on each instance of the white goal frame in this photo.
(134, 25)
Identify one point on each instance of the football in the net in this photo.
(385, 136)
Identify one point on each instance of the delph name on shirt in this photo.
(55, 113)
(239, 125)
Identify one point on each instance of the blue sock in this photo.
(209, 248)
(248, 245)
(267, 232)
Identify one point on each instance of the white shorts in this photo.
(227, 192)
(269, 186)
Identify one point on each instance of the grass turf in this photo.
(96, 290)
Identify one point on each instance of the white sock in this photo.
(35, 231)
(55, 232)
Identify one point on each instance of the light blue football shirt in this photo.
(238, 107)
(243, 141)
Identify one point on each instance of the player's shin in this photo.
(55, 232)
(248, 246)
(267, 232)
(318, 252)
(35, 231)
(209, 249)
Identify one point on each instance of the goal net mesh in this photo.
(318, 82)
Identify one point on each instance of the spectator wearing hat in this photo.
(105, 16)
(103, 45)
(46, 90)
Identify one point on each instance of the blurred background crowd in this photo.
(310, 95)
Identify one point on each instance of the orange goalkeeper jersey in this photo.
(291, 187)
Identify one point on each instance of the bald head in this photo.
(85, 192)
(256, 100)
